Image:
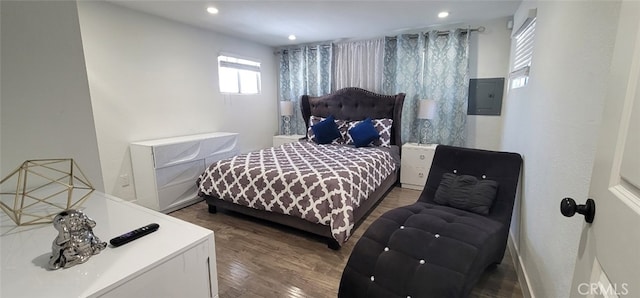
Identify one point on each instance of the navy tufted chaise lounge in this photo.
(431, 249)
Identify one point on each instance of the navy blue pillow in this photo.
(326, 131)
(364, 133)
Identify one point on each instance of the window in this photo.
(519, 76)
(238, 76)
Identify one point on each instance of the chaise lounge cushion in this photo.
(421, 248)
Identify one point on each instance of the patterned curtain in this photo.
(433, 66)
(447, 82)
(404, 72)
(304, 70)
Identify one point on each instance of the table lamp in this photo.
(427, 112)
(286, 111)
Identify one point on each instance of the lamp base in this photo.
(424, 131)
(287, 125)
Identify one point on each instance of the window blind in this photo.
(524, 46)
(519, 75)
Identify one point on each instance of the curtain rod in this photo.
(440, 33)
(311, 48)
(463, 30)
(445, 32)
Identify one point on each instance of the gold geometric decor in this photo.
(38, 190)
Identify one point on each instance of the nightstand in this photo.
(283, 139)
(415, 164)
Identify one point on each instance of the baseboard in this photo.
(523, 278)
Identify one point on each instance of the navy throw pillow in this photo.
(364, 133)
(326, 131)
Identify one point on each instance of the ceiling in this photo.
(270, 22)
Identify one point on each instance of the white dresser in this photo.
(415, 164)
(165, 170)
(178, 260)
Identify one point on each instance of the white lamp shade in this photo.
(286, 108)
(426, 109)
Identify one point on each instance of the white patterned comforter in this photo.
(319, 183)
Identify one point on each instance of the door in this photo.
(608, 262)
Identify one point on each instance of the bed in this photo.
(324, 189)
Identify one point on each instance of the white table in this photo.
(415, 164)
(178, 260)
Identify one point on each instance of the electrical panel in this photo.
(485, 96)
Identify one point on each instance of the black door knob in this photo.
(568, 208)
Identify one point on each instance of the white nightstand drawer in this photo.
(415, 165)
(417, 157)
(414, 175)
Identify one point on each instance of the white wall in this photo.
(552, 122)
(45, 107)
(153, 78)
(488, 58)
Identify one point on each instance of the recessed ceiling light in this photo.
(212, 10)
(292, 37)
(443, 14)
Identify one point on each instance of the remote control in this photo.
(133, 235)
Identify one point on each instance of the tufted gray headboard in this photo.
(353, 104)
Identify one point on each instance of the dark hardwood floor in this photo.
(259, 259)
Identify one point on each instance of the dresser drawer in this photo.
(220, 156)
(171, 154)
(180, 173)
(178, 194)
(220, 147)
(171, 151)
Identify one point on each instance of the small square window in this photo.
(238, 76)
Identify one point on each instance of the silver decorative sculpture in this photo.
(75, 242)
